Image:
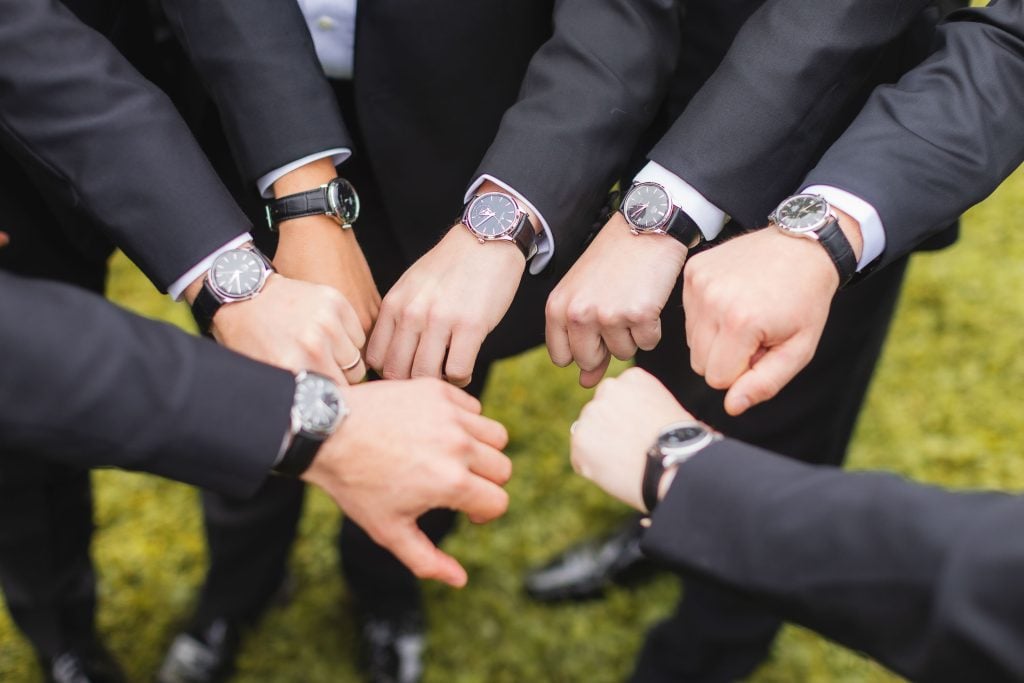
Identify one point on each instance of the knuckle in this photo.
(579, 313)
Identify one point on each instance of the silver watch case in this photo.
(659, 228)
(509, 234)
(337, 211)
(226, 297)
(673, 453)
(808, 231)
(299, 424)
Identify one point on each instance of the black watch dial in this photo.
(802, 212)
(646, 206)
(318, 404)
(238, 274)
(492, 215)
(344, 200)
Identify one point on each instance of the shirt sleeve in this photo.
(871, 229)
(708, 217)
(266, 183)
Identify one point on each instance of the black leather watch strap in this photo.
(204, 307)
(653, 471)
(310, 203)
(525, 238)
(298, 456)
(839, 250)
(684, 229)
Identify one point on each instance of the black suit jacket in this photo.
(101, 139)
(133, 393)
(945, 136)
(926, 581)
(794, 77)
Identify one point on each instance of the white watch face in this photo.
(802, 213)
(492, 215)
(237, 274)
(318, 404)
(646, 206)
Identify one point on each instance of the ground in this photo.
(944, 408)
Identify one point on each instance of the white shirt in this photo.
(710, 219)
(332, 24)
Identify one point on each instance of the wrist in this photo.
(304, 178)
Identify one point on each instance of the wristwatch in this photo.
(497, 217)
(317, 412)
(810, 216)
(337, 199)
(236, 275)
(649, 210)
(676, 444)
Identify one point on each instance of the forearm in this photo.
(133, 393)
(870, 560)
(76, 109)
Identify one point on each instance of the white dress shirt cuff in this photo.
(545, 240)
(179, 286)
(708, 217)
(871, 229)
(266, 183)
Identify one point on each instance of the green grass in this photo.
(942, 409)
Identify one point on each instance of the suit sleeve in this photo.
(589, 93)
(924, 580)
(113, 144)
(258, 62)
(89, 384)
(943, 138)
(763, 118)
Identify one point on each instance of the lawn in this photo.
(943, 408)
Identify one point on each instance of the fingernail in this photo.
(741, 403)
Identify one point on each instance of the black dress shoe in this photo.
(202, 655)
(392, 648)
(583, 572)
(91, 664)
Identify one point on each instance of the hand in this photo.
(756, 307)
(446, 303)
(4, 239)
(406, 448)
(317, 249)
(610, 301)
(616, 429)
(294, 325)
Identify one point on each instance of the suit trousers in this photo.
(46, 524)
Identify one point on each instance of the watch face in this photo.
(238, 274)
(646, 206)
(681, 439)
(318, 404)
(344, 200)
(492, 215)
(802, 213)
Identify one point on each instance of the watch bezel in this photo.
(334, 190)
(673, 455)
(299, 425)
(509, 233)
(229, 297)
(660, 228)
(810, 231)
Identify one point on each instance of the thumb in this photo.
(424, 559)
(590, 378)
(773, 370)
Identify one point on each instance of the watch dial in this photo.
(646, 206)
(348, 201)
(682, 436)
(237, 273)
(492, 215)
(319, 404)
(802, 212)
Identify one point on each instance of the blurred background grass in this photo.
(941, 409)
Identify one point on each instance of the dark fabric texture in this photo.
(924, 580)
(944, 137)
